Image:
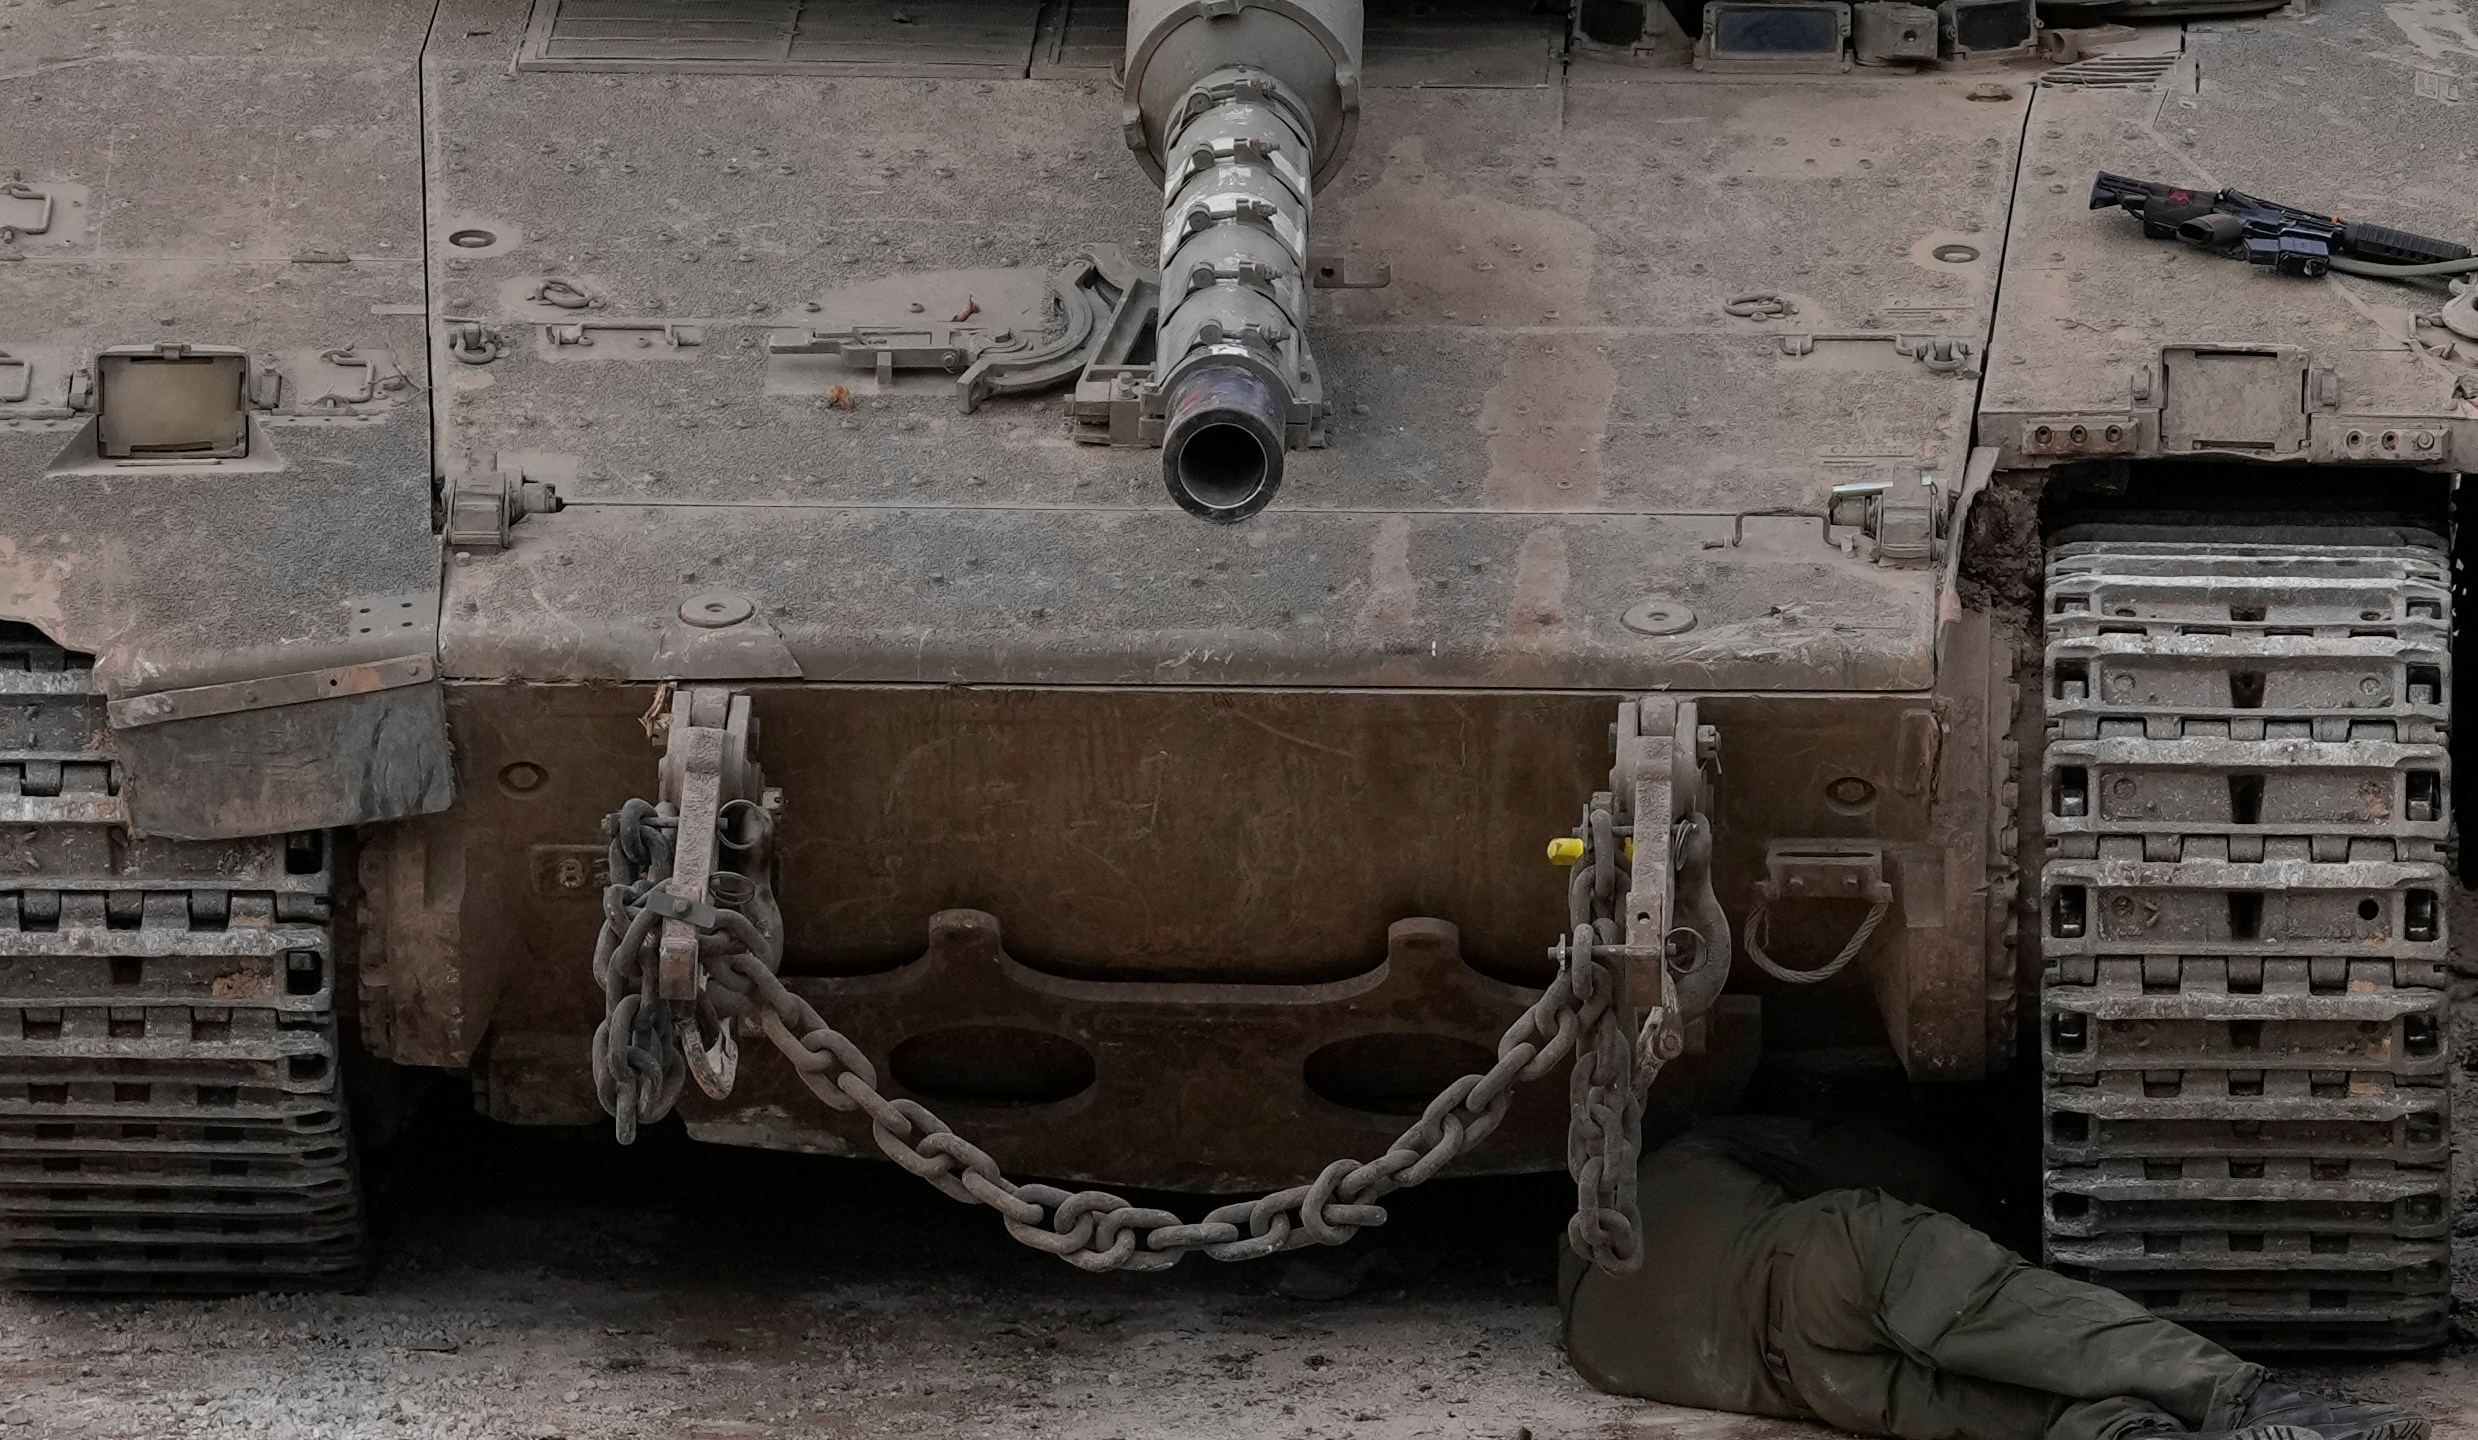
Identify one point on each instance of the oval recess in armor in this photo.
(1392, 1074)
(992, 1065)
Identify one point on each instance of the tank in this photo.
(1042, 589)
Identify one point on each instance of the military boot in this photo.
(2282, 1407)
(2242, 1432)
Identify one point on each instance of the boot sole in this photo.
(2402, 1427)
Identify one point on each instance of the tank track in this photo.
(171, 1102)
(2243, 1005)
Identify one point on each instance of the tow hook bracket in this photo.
(1825, 870)
(1818, 870)
(1677, 939)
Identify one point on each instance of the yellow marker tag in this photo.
(1626, 847)
(1565, 850)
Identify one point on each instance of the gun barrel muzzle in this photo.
(1223, 443)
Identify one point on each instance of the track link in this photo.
(2243, 1005)
(171, 1103)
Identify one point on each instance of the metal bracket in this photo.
(987, 358)
(18, 189)
(1902, 522)
(1824, 870)
(473, 343)
(2125, 434)
(930, 345)
(1944, 354)
(2427, 442)
(22, 389)
(694, 914)
(1678, 943)
(345, 359)
(483, 505)
(1087, 291)
(295, 689)
(672, 334)
(709, 761)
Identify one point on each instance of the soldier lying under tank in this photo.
(1821, 1273)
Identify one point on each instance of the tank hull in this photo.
(524, 369)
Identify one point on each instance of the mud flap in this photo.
(379, 755)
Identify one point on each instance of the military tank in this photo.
(738, 559)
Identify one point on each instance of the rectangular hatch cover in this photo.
(2228, 397)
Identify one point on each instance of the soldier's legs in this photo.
(1858, 1271)
(1875, 1390)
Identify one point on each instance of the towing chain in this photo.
(646, 1048)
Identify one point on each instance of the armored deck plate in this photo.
(2110, 345)
(310, 266)
(1618, 361)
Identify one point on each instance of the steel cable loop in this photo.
(1759, 920)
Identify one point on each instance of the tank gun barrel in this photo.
(1241, 109)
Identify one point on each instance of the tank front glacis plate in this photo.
(2345, 112)
(220, 175)
(1547, 418)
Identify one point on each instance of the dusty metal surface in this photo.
(481, 368)
(2096, 347)
(687, 962)
(314, 549)
(1559, 417)
(1195, 902)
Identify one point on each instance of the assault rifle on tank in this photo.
(2289, 240)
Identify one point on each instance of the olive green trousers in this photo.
(1876, 1316)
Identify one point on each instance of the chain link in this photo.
(1582, 1015)
(647, 1048)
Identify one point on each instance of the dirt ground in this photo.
(550, 1284)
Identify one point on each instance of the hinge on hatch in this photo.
(483, 505)
(1900, 523)
(1944, 354)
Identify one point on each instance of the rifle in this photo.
(2289, 240)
